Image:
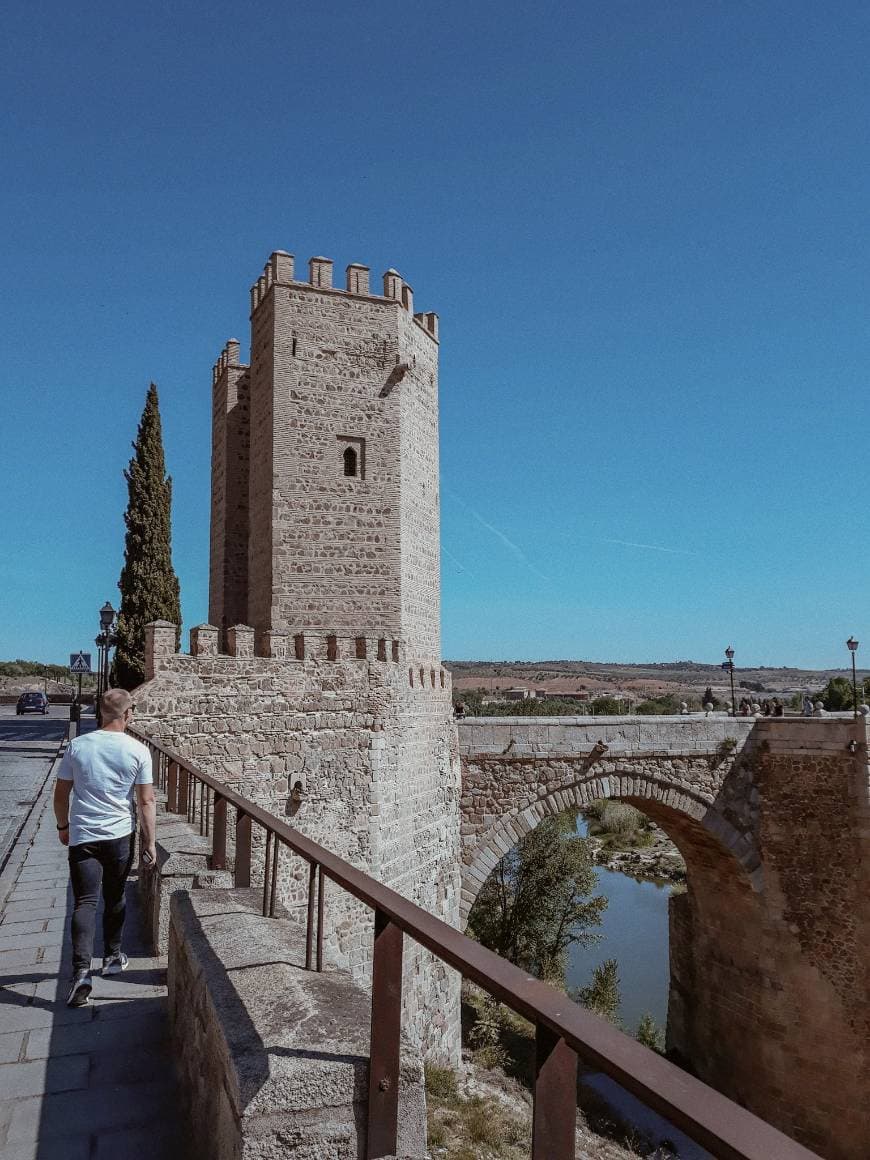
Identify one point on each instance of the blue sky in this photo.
(643, 227)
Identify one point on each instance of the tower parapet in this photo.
(342, 464)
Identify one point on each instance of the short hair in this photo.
(114, 704)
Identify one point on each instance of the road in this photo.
(27, 747)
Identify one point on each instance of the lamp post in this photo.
(729, 665)
(852, 646)
(104, 642)
(98, 641)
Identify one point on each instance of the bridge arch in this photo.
(713, 847)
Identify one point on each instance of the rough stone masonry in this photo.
(320, 671)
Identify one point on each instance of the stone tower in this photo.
(317, 689)
(325, 505)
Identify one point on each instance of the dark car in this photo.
(32, 703)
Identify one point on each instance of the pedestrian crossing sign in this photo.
(80, 662)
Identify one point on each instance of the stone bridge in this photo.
(692, 775)
(770, 986)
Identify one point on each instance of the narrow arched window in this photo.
(349, 461)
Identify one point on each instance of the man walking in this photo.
(93, 804)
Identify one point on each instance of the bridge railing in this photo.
(564, 1031)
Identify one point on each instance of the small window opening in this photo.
(395, 650)
(332, 648)
(294, 348)
(361, 651)
(349, 461)
(411, 678)
(382, 650)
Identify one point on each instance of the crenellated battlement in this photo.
(243, 642)
(281, 267)
(229, 357)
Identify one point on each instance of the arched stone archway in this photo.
(698, 827)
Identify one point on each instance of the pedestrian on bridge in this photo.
(96, 818)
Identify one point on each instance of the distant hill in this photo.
(19, 675)
(686, 679)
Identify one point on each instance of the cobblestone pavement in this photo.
(94, 1083)
(27, 746)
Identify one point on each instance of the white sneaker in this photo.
(80, 991)
(115, 963)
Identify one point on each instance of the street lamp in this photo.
(104, 642)
(852, 646)
(729, 665)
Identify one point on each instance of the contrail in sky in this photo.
(653, 547)
(508, 543)
(458, 563)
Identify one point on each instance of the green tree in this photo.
(148, 584)
(601, 994)
(667, 703)
(836, 695)
(537, 901)
(650, 1034)
(608, 706)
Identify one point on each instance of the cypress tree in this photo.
(148, 584)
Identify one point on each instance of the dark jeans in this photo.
(91, 865)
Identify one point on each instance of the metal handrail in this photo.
(564, 1030)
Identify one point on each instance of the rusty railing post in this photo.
(267, 872)
(172, 788)
(309, 926)
(321, 899)
(275, 853)
(219, 839)
(243, 849)
(183, 790)
(385, 1045)
(555, 1091)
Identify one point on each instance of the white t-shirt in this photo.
(103, 766)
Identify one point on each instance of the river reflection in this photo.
(634, 931)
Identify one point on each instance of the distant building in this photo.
(563, 695)
(517, 694)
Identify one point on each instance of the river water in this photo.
(634, 931)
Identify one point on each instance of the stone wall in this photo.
(420, 492)
(228, 572)
(377, 762)
(261, 478)
(272, 1059)
(769, 991)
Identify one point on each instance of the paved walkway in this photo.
(89, 1084)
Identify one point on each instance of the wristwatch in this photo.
(66, 827)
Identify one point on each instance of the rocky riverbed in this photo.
(658, 860)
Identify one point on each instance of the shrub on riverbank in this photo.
(538, 900)
(618, 825)
(485, 1112)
